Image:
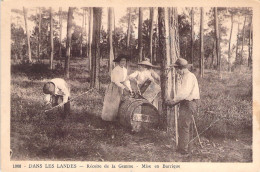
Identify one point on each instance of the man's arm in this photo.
(47, 99)
(65, 91)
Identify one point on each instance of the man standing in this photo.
(187, 95)
(58, 93)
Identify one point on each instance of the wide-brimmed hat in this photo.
(48, 88)
(180, 62)
(121, 56)
(146, 63)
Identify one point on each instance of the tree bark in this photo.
(129, 29)
(157, 58)
(51, 39)
(217, 40)
(151, 34)
(28, 35)
(114, 28)
(140, 36)
(250, 45)
(68, 42)
(169, 52)
(47, 35)
(90, 37)
(162, 53)
(39, 34)
(82, 31)
(97, 16)
(192, 36)
(201, 43)
(111, 52)
(174, 53)
(86, 30)
(243, 40)
(237, 56)
(60, 48)
(229, 44)
(213, 55)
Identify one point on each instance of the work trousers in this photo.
(57, 99)
(187, 109)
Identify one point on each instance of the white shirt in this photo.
(118, 75)
(141, 77)
(61, 88)
(188, 88)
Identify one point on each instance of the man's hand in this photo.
(47, 103)
(60, 105)
(171, 102)
(126, 89)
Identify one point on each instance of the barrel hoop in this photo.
(132, 106)
(126, 115)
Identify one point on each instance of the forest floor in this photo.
(83, 136)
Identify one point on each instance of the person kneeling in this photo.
(58, 94)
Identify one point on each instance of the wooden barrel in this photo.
(138, 114)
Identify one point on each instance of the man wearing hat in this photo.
(58, 93)
(187, 95)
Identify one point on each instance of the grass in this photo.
(83, 136)
(228, 99)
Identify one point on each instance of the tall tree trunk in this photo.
(162, 53)
(151, 33)
(250, 44)
(192, 36)
(213, 55)
(217, 40)
(174, 53)
(81, 34)
(86, 30)
(243, 40)
(114, 28)
(68, 42)
(47, 35)
(39, 34)
(237, 56)
(60, 19)
(140, 36)
(51, 39)
(157, 59)
(168, 52)
(97, 16)
(28, 35)
(129, 29)
(229, 44)
(111, 52)
(185, 49)
(90, 37)
(201, 43)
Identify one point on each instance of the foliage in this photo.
(18, 45)
(36, 70)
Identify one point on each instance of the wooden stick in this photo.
(196, 131)
(176, 126)
(204, 130)
(68, 101)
